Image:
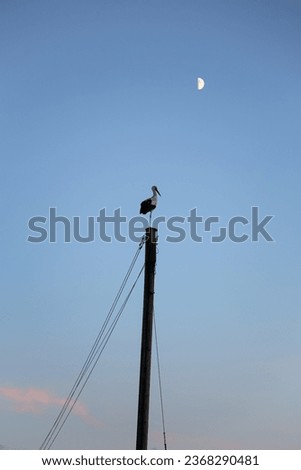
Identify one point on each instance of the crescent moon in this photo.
(201, 83)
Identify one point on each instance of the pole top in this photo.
(151, 234)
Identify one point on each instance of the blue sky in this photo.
(98, 103)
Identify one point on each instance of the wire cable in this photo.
(160, 385)
(94, 354)
(100, 350)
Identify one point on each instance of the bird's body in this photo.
(150, 204)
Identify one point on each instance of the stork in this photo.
(150, 204)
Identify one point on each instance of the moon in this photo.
(201, 83)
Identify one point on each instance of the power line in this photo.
(160, 385)
(99, 352)
(93, 356)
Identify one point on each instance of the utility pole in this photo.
(146, 339)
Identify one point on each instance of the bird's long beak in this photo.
(157, 190)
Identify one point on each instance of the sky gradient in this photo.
(99, 102)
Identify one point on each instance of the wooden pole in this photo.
(146, 338)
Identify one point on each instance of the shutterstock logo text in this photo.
(238, 229)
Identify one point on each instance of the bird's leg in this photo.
(150, 218)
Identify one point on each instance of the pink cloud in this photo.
(35, 400)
